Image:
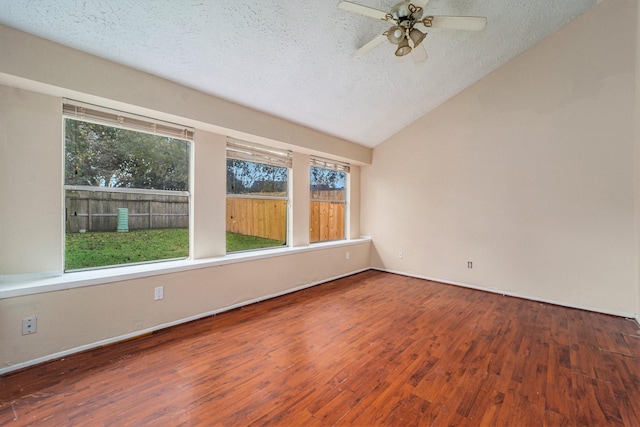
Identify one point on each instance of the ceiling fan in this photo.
(409, 26)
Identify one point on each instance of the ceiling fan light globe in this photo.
(395, 34)
(416, 36)
(403, 48)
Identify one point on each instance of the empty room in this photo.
(307, 213)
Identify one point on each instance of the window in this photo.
(328, 200)
(257, 196)
(126, 188)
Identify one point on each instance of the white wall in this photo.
(30, 160)
(301, 205)
(35, 75)
(36, 64)
(529, 174)
(209, 190)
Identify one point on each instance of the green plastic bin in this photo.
(123, 220)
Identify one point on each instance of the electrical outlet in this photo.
(29, 325)
(159, 293)
(400, 255)
(346, 256)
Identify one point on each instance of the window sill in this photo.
(32, 284)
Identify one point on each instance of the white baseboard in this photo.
(139, 333)
(515, 294)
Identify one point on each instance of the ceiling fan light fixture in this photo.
(395, 34)
(403, 48)
(404, 17)
(416, 36)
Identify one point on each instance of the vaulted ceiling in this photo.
(292, 58)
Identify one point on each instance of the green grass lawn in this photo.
(241, 242)
(99, 249)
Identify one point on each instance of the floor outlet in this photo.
(159, 293)
(29, 325)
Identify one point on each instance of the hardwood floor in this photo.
(370, 349)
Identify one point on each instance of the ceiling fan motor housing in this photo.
(406, 11)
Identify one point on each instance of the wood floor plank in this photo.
(632, 342)
(370, 349)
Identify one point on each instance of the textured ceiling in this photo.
(292, 58)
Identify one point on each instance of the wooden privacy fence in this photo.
(96, 208)
(257, 217)
(326, 221)
(268, 218)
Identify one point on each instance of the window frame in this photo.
(335, 166)
(89, 113)
(256, 153)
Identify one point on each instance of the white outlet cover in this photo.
(159, 293)
(29, 325)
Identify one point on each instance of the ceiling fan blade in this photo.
(363, 10)
(369, 46)
(469, 23)
(419, 54)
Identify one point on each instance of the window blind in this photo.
(105, 116)
(250, 152)
(333, 165)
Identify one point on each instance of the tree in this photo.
(249, 177)
(326, 179)
(100, 155)
(327, 184)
